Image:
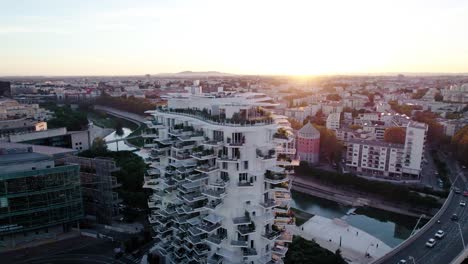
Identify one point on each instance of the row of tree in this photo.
(302, 251)
(385, 190)
(130, 104)
(67, 117)
(460, 145)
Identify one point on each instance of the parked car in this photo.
(463, 203)
(439, 234)
(431, 243)
(457, 190)
(465, 193)
(454, 217)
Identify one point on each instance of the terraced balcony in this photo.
(271, 235)
(246, 229)
(240, 243)
(242, 220)
(276, 177)
(268, 203)
(215, 193)
(216, 239)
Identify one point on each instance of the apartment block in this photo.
(220, 189)
(379, 159)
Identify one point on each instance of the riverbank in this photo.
(334, 234)
(138, 120)
(308, 186)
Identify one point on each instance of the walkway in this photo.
(355, 243)
(123, 114)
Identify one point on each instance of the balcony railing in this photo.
(242, 220)
(239, 243)
(271, 235)
(200, 115)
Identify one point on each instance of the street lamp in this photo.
(461, 234)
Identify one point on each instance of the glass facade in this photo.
(39, 198)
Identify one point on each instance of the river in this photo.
(389, 227)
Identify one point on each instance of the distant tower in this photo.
(308, 143)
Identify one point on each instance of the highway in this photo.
(447, 248)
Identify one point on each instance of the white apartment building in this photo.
(301, 113)
(220, 191)
(333, 121)
(379, 159)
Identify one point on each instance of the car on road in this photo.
(401, 261)
(465, 193)
(463, 203)
(454, 217)
(439, 234)
(431, 243)
(457, 190)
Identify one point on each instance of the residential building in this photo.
(379, 159)
(333, 121)
(12, 109)
(456, 93)
(219, 194)
(40, 198)
(308, 144)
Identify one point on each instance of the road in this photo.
(451, 245)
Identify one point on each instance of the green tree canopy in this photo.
(460, 144)
(302, 251)
(395, 135)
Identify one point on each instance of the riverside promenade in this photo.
(357, 246)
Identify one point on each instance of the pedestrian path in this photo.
(356, 245)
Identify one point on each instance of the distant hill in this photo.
(195, 74)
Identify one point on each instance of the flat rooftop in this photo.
(7, 159)
(46, 150)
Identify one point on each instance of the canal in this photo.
(389, 227)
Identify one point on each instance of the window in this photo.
(225, 166)
(246, 165)
(243, 177)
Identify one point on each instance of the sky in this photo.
(311, 37)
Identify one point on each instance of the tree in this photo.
(435, 133)
(460, 144)
(395, 135)
(99, 146)
(438, 97)
(330, 148)
(296, 125)
(119, 128)
(302, 251)
(333, 97)
(355, 127)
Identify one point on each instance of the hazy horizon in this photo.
(306, 38)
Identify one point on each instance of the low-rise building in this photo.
(40, 198)
(56, 137)
(308, 144)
